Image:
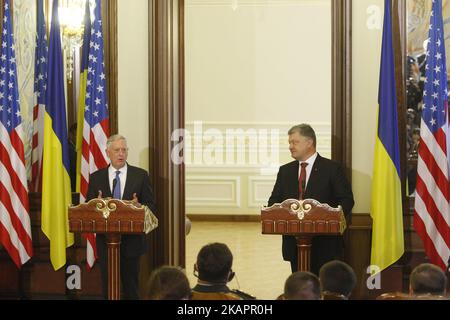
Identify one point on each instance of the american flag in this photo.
(40, 86)
(96, 123)
(15, 228)
(432, 210)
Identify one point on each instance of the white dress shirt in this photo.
(122, 177)
(310, 161)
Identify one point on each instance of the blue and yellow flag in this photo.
(386, 209)
(56, 193)
(83, 82)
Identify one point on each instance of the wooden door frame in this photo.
(167, 110)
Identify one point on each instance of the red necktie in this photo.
(302, 180)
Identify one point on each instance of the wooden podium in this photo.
(113, 217)
(303, 219)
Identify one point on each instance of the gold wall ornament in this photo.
(24, 12)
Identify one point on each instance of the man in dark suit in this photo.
(122, 181)
(312, 176)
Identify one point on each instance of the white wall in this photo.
(260, 67)
(367, 34)
(260, 61)
(133, 83)
(251, 95)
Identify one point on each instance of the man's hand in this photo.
(99, 194)
(135, 200)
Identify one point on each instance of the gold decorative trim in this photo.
(300, 208)
(105, 207)
(108, 205)
(150, 220)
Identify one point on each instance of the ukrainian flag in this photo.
(386, 211)
(83, 82)
(56, 193)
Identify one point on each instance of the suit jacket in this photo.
(137, 182)
(327, 184)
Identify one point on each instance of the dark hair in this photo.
(168, 283)
(214, 262)
(302, 286)
(337, 277)
(428, 278)
(304, 130)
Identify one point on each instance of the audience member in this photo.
(213, 270)
(302, 285)
(426, 282)
(337, 280)
(168, 283)
(427, 279)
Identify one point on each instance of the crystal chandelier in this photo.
(71, 15)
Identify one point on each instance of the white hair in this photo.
(113, 138)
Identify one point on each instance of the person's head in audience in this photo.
(214, 262)
(213, 270)
(427, 278)
(337, 278)
(302, 285)
(168, 283)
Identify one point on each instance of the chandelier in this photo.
(71, 15)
